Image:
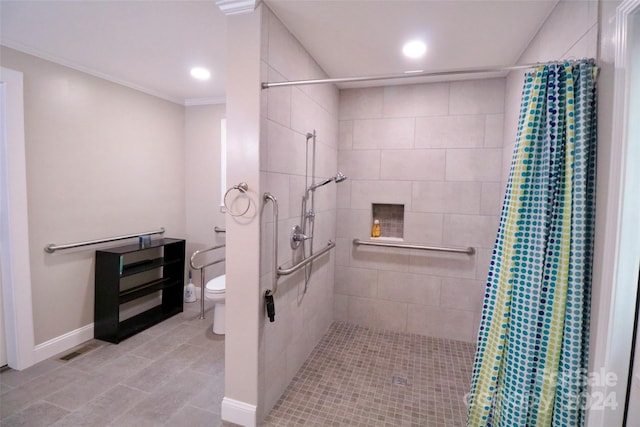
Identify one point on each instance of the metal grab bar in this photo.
(307, 260)
(202, 251)
(52, 247)
(201, 268)
(219, 230)
(468, 251)
(270, 197)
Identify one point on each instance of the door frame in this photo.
(617, 246)
(14, 226)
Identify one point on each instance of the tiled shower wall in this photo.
(288, 114)
(437, 149)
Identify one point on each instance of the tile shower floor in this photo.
(173, 375)
(365, 377)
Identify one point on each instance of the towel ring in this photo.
(243, 187)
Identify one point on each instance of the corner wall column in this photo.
(243, 302)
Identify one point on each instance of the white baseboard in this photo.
(62, 343)
(238, 412)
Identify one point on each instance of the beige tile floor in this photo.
(173, 375)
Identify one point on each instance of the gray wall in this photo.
(102, 160)
(202, 184)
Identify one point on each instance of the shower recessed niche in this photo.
(391, 219)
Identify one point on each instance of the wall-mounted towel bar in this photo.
(468, 251)
(201, 268)
(52, 247)
(307, 260)
(219, 230)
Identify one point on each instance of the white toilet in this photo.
(215, 291)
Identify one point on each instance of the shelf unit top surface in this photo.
(135, 247)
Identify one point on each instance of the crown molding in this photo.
(234, 7)
(70, 64)
(216, 100)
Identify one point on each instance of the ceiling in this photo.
(362, 38)
(148, 45)
(151, 45)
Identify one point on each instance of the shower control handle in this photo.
(297, 236)
(300, 237)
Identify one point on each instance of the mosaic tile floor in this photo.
(349, 381)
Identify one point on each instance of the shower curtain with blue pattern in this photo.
(531, 360)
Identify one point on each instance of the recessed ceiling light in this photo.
(200, 73)
(414, 49)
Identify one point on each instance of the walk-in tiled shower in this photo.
(364, 377)
(426, 161)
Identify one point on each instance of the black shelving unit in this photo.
(159, 266)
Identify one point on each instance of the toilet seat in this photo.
(217, 285)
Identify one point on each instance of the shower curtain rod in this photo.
(452, 72)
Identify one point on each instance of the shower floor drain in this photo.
(399, 381)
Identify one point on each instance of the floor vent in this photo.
(78, 351)
(399, 381)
